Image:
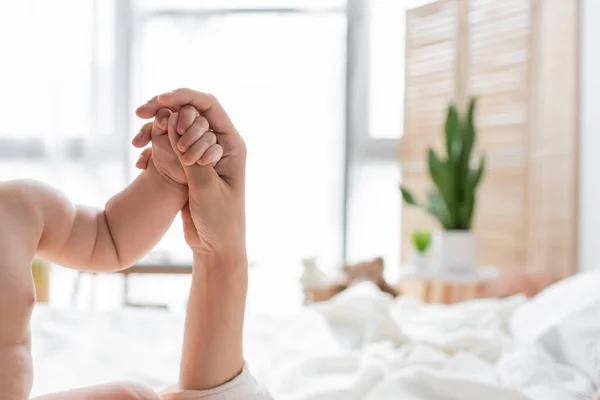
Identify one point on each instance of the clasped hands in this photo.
(195, 147)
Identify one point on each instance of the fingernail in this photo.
(141, 157)
(181, 147)
(139, 135)
(162, 121)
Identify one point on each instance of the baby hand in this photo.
(197, 143)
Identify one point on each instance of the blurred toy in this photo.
(312, 276)
(352, 273)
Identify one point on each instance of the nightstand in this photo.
(443, 286)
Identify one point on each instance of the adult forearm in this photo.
(138, 217)
(212, 347)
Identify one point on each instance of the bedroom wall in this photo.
(589, 142)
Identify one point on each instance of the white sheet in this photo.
(361, 345)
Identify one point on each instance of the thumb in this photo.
(196, 174)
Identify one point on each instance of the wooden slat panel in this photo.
(498, 66)
(519, 58)
(501, 213)
(553, 153)
(430, 84)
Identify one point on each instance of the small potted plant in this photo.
(421, 241)
(452, 200)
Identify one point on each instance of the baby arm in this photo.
(111, 239)
(134, 220)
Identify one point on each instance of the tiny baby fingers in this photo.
(142, 162)
(193, 134)
(212, 155)
(187, 116)
(195, 152)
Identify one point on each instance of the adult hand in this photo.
(214, 220)
(161, 154)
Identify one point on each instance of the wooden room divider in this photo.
(520, 57)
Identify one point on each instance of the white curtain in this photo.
(55, 92)
(281, 76)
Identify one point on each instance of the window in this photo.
(50, 75)
(377, 41)
(281, 75)
(316, 88)
(386, 24)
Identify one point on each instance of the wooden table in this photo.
(144, 268)
(442, 286)
(151, 268)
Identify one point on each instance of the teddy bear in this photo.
(352, 273)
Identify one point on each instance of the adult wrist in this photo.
(231, 263)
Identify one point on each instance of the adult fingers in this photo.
(205, 103)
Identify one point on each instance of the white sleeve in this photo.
(242, 387)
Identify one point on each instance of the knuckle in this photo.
(202, 122)
(212, 97)
(209, 138)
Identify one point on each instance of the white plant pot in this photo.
(455, 250)
(419, 260)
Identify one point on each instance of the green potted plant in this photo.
(421, 241)
(452, 199)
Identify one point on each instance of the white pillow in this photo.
(579, 341)
(553, 305)
(565, 320)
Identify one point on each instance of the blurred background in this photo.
(323, 91)
(315, 87)
(339, 102)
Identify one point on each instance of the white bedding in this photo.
(360, 345)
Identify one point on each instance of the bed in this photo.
(360, 345)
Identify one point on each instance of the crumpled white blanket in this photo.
(360, 345)
(369, 346)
